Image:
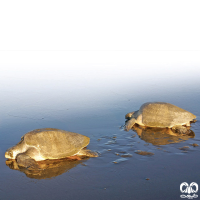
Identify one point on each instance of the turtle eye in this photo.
(10, 154)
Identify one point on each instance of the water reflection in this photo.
(48, 168)
(161, 136)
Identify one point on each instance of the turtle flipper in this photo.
(26, 161)
(181, 129)
(129, 124)
(88, 153)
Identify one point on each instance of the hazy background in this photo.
(57, 79)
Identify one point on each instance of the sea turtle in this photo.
(160, 114)
(48, 143)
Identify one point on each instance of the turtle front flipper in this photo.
(26, 159)
(129, 124)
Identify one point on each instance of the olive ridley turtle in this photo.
(160, 114)
(48, 143)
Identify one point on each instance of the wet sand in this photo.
(118, 173)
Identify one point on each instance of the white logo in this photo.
(186, 188)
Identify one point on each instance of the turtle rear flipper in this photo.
(182, 130)
(88, 153)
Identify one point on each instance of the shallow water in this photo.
(93, 102)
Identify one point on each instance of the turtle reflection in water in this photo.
(161, 136)
(50, 168)
(162, 115)
(48, 144)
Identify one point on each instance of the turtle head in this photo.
(129, 115)
(10, 153)
(133, 114)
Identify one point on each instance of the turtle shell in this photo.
(55, 143)
(159, 114)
